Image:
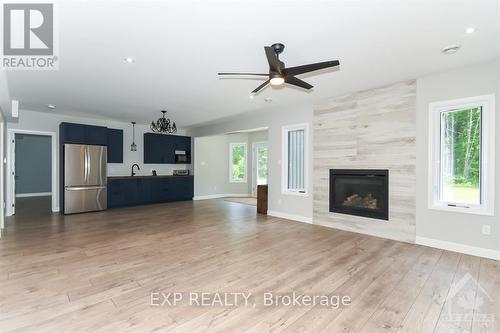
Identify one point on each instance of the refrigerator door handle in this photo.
(81, 188)
(87, 165)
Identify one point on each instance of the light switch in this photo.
(486, 229)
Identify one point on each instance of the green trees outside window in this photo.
(238, 162)
(461, 156)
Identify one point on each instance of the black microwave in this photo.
(182, 157)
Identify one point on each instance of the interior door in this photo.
(259, 168)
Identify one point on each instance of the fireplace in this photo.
(360, 192)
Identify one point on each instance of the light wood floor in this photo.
(95, 272)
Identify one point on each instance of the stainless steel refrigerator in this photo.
(85, 178)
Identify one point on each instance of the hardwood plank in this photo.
(390, 314)
(457, 312)
(424, 313)
(486, 316)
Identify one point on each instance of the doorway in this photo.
(259, 162)
(31, 187)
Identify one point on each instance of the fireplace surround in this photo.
(360, 192)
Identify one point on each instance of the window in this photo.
(294, 161)
(462, 155)
(238, 162)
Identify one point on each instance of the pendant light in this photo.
(133, 146)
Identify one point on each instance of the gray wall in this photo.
(33, 164)
(448, 226)
(211, 165)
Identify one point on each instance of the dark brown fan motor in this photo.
(279, 74)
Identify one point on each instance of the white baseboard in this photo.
(222, 195)
(38, 194)
(287, 216)
(461, 248)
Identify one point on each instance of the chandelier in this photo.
(163, 125)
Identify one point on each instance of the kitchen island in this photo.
(124, 191)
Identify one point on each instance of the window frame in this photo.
(487, 173)
(284, 159)
(245, 154)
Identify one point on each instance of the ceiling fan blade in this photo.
(256, 90)
(258, 74)
(310, 68)
(297, 82)
(272, 59)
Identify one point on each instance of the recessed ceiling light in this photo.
(470, 30)
(252, 96)
(450, 49)
(129, 60)
(51, 106)
(268, 99)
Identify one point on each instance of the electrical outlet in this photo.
(486, 229)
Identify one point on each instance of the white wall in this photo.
(211, 165)
(273, 119)
(448, 226)
(47, 122)
(5, 102)
(2, 172)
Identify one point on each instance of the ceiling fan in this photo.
(279, 74)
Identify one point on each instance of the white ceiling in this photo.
(180, 46)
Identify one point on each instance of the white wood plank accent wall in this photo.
(372, 129)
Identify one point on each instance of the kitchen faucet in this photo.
(133, 165)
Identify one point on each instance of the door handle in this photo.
(80, 188)
(87, 165)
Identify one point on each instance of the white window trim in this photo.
(231, 145)
(487, 102)
(284, 159)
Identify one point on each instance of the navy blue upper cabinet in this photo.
(160, 148)
(72, 133)
(183, 143)
(115, 145)
(96, 135)
(83, 134)
(154, 149)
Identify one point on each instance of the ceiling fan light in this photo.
(277, 81)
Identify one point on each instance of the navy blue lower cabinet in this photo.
(123, 192)
(117, 193)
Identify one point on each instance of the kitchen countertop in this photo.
(146, 177)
